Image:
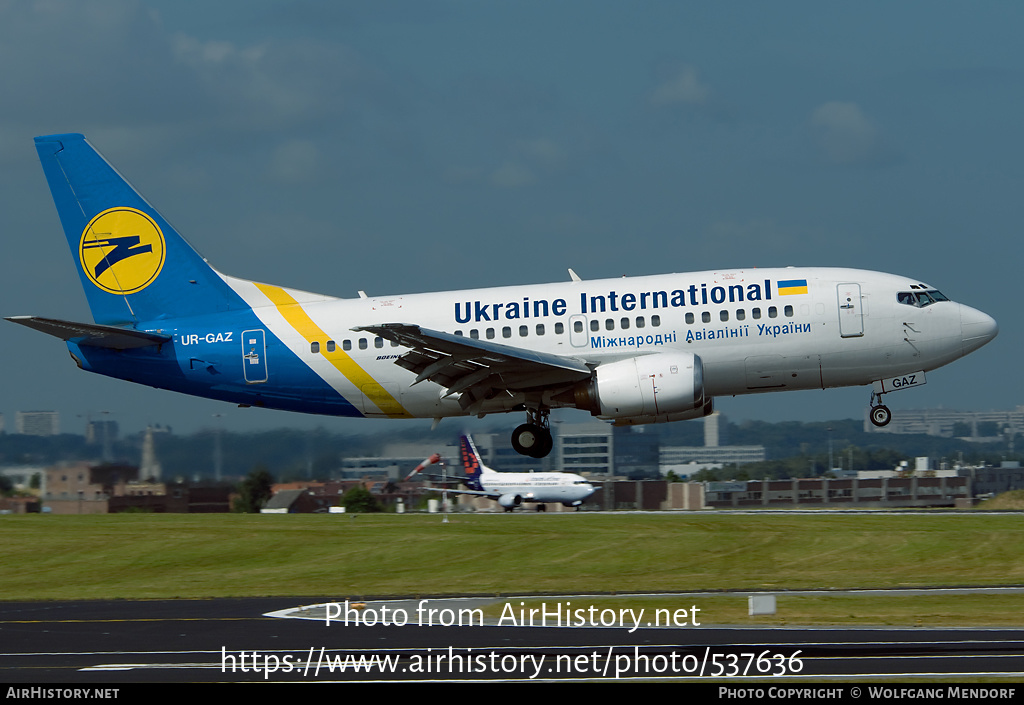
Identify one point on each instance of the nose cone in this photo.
(977, 328)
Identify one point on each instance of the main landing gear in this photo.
(533, 438)
(880, 414)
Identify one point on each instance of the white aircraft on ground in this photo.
(511, 489)
(632, 350)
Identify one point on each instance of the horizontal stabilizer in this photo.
(91, 333)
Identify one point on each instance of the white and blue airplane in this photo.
(512, 489)
(633, 350)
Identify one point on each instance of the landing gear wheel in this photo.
(542, 507)
(532, 440)
(880, 415)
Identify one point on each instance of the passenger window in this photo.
(640, 323)
(330, 346)
(689, 318)
(314, 347)
(609, 324)
(559, 328)
(577, 326)
(474, 334)
(524, 331)
(540, 329)
(624, 323)
(741, 315)
(705, 317)
(788, 311)
(756, 313)
(362, 344)
(655, 321)
(723, 316)
(773, 312)
(506, 332)
(378, 342)
(595, 325)
(459, 333)
(346, 345)
(490, 334)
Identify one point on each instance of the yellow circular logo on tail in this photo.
(122, 250)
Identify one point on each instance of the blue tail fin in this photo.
(134, 266)
(471, 463)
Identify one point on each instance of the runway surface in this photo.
(233, 640)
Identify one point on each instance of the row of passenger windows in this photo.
(506, 332)
(741, 314)
(623, 323)
(541, 329)
(363, 344)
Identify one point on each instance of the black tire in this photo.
(525, 439)
(532, 440)
(880, 415)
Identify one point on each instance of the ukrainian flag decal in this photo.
(789, 287)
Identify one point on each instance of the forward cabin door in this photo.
(851, 311)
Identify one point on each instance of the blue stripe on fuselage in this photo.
(205, 359)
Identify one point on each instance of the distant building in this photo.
(84, 488)
(37, 423)
(171, 497)
(396, 461)
(992, 481)
(21, 475)
(684, 460)
(101, 432)
(804, 493)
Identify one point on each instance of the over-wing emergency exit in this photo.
(632, 350)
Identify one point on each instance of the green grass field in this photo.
(188, 556)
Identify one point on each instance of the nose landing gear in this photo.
(880, 414)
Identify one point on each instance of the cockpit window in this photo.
(920, 299)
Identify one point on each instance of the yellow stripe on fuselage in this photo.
(291, 310)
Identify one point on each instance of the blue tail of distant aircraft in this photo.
(134, 266)
(471, 463)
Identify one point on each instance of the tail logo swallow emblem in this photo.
(122, 250)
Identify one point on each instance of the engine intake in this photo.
(646, 389)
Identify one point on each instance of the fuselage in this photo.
(755, 330)
(564, 487)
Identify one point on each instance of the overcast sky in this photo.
(405, 146)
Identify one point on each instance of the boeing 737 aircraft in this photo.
(511, 489)
(632, 350)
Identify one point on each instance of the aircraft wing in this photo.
(98, 336)
(475, 493)
(477, 369)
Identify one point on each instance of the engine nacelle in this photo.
(508, 501)
(646, 389)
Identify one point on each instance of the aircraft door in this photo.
(578, 335)
(254, 356)
(851, 311)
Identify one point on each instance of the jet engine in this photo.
(508, 501)
(647, 389)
